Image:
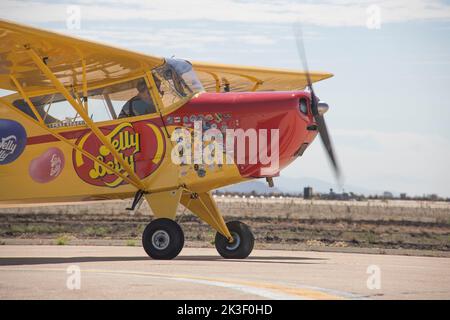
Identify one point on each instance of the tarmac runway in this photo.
(96, 272)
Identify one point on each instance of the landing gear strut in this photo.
(242, 245)
(163, 239)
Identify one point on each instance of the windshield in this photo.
(178, 79)
(184, 69)
(175, 80)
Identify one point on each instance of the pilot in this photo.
(140, 104)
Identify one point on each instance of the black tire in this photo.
(163, 239)
(242, 245)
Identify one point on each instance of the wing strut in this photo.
(28, 101)
(216, 79)
(203, 205)
(82, 112)
(85, 91)
(73, 145)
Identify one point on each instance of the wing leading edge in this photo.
(65, 56)
(217, 77)
(103, 64)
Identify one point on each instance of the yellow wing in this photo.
(215, 77)
(63, 55)
(105, 64)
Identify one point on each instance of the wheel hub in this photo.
(236, 242)
(160, 239)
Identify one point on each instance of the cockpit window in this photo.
(184, 69)
(178, 80)
(175, 80)
(126, 99)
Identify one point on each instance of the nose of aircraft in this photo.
(277, 126)
(288, 118)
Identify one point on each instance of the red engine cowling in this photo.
(256, 113)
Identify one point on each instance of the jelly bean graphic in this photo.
(13, 139)
(48, 166)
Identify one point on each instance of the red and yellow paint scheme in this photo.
(44, 158)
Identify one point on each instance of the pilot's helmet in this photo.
(141, 86)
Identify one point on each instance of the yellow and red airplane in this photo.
(90, 121)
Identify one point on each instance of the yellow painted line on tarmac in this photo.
(301, 292)
(257, 288)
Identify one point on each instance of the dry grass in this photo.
(279, 222)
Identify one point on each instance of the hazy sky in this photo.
(390, 97)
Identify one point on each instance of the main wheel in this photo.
(242, 245)
(163, 239)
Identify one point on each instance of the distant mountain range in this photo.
(295, 186)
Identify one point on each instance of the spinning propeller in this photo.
(318, 108)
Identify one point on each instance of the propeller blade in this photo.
(322, 127)
(301, 51)
(323, 132)
(298, 31)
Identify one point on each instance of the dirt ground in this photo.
(294, 224)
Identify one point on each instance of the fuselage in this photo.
(48, 169)
(256, 111)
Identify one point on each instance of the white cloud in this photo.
(325, 13)
(175, 39)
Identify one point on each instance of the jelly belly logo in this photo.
(141, 146)
(13, 139)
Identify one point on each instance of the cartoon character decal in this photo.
(141, 145)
